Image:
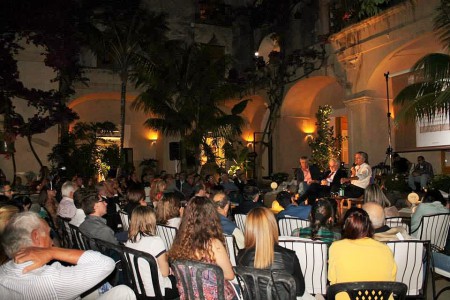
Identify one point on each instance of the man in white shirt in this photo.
(26, 240)
(361, 175)
(66, 208)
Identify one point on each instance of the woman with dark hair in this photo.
(250, 197)
(358, 257)
(432, 203)
(135, 198)
(321, 224)
(263, 252)
(169, 210)
(200, 238)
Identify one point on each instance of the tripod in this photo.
(389, 150)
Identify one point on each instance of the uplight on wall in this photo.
(153, 137)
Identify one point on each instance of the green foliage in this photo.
(370, 7)
(241, 161)
(325, 145)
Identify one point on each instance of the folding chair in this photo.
(167, 233)
(232, 249)
(399, 222)
(368, 290)
(65, 234)
(286, 225)
(240, 221)
(124, 218)
(435, 229)
(81, 241)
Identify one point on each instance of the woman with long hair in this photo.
(169, 210)
(135, 198)
(373, 193)
(142, 236)
(358, 257)
(200, 238)
(262, 250)
(321, 224)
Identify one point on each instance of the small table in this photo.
(343, 202)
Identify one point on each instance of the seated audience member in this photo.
(382, 232)
(432, 203)
(306, 175)
(263, 252)
(422, 173)
(400, 165)
(26, 240)
(240, 180)
(135, 198)
(291, 209)
(23, 202)
(188, 186)
(142, 236)
(227, 184)
(169, 210)
(358, 257)
(107, 192)
(321, 224)
(157, 189)
(66, 207)
(79, 214)
(200, 190)
(49, 206)
(6, 213)
(330, 183)
(374, 193)
(200, 238)
(250, 200)
(94, 226)
(228, 227)
(360, 177)
(7, 190)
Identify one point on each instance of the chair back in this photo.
(135, 277)
(313, 258)
(240, 221)
(434, 228)
(125, 221)
(232, 249)
(369, 290)
(65, 233)
(81, 241)
(412, 258)
(399, 222)
(167, 233)
(198, 280)
(257, 284)
(286, 225)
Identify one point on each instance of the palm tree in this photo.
(184, 93)
(429, 96)
(121, 32)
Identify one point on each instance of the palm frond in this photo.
(442, 22)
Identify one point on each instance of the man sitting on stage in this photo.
(361, 174)
(306, 175)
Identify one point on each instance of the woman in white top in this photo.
(142, 236)
(169, 210)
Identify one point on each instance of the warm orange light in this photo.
(153, 136)
(307, 126)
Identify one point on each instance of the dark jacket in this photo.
(284, 259)
(336, 183)
(313, 169)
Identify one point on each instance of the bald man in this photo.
(382, 232)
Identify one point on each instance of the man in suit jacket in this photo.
(330, 183)
(306, 175)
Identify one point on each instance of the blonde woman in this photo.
(374, 193)
(262, 250)
(157, 189)
(169, 210)
(142, 236)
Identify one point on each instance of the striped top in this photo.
(54, 281)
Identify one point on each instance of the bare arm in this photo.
(41, 256)
(163, 264)
(222, 259)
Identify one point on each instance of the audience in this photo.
(66, 207)
(7, 211)
(169, 210)
(228, 227)
(263, 252)
(135, 198)
(432, 203)
(321, 224)
(374, 193)
(422, 173)
(250, 200)
(360, 177)
(142, 236)
(200, 238)
(79, 214)
(26, 240)
(358, 257)
(291, 209)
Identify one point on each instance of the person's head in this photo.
(142, 223)
(373, 193)
(261, 233)
(199, 226)
(304, 162)
(321, 215)
(334, 164)
(24, 230)
(6, 213)
(78, 197)
(420, 159)
(7, 190)
(361, 157)
(160, 186)
(169, 207)
(357, 224)
(200, 190)
(433, 195)
(251, 193)
(224, 177)
(376, 214)
(222, 203)
(284, 199)
(94, 205)
(136, 195)
(24, 202)
(68, 188)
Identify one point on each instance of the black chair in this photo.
(190, 274)
(80, 241)
(257, 284)
(64, 232)
(369, 290)
(131, 263)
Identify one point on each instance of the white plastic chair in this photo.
(240, 221)
(286, 225)
(434, 228)
(167, 233)
(399, 222)
(232, 249)
(124, 218)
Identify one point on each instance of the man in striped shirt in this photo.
(26, 240)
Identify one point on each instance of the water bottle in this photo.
(341, 190)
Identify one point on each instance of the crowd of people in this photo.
(201, 208)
